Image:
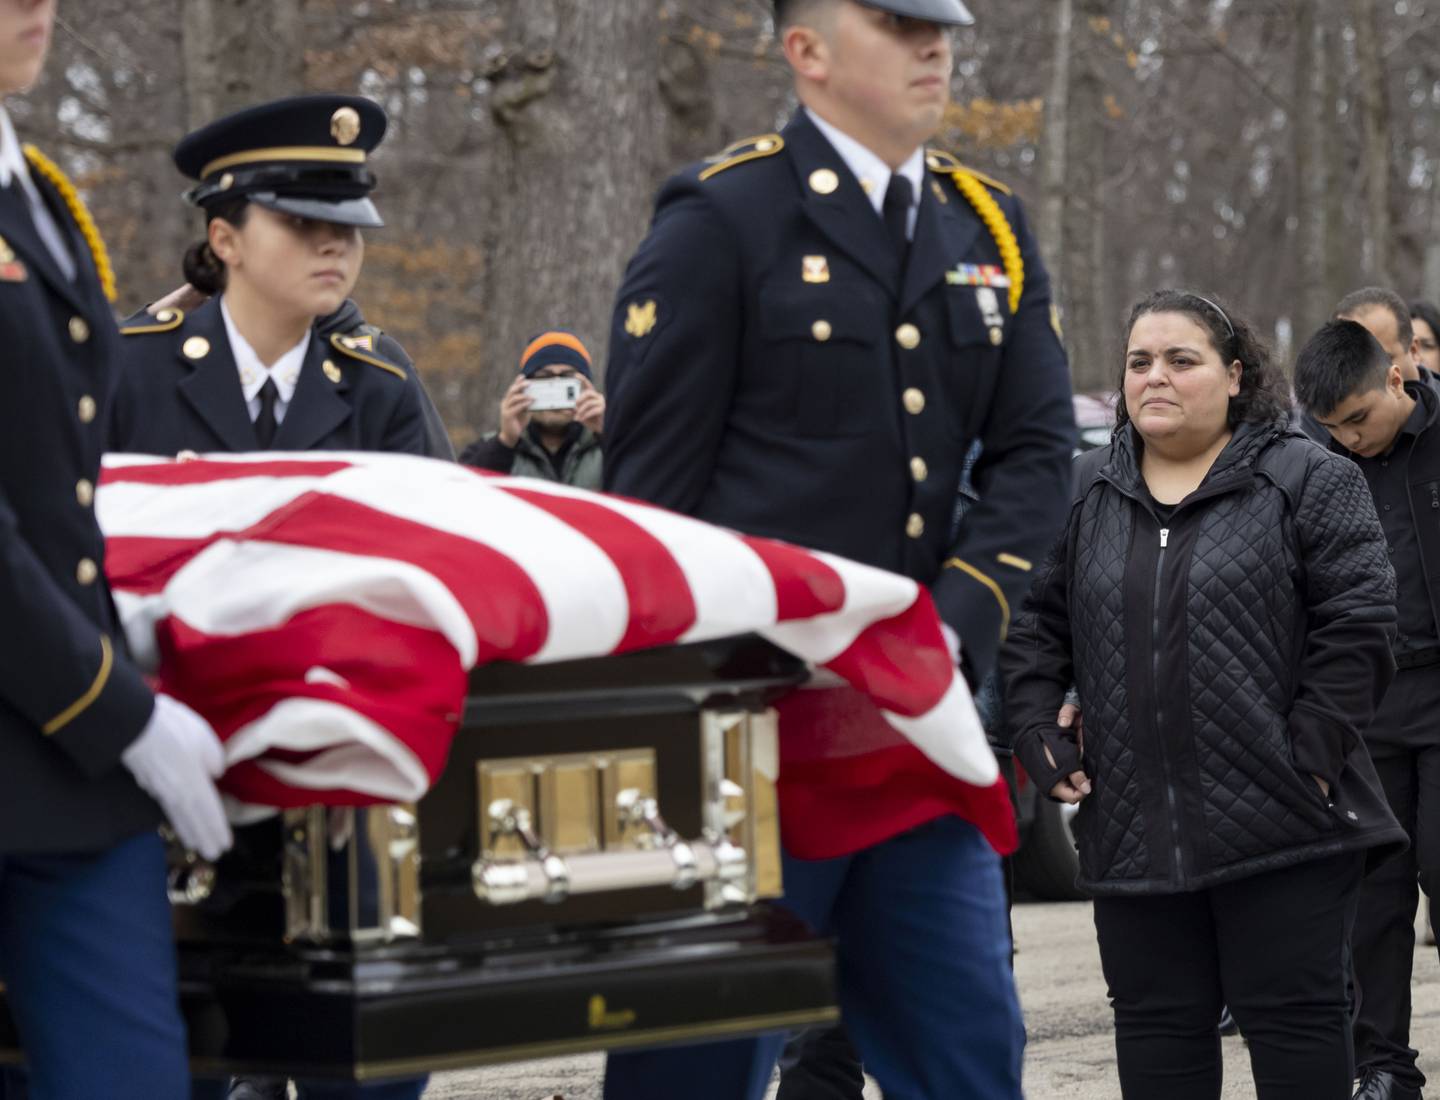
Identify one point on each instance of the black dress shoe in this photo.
(259, 1088)
(1380, 1084)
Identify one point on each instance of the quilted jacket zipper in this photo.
(1171, 801)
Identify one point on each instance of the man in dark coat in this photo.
(1366, 399)
(819, 325)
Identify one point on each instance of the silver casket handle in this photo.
(663, 858)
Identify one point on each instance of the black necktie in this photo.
(265, 423)
(899, 197)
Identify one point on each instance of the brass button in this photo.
(86, 571)
(764, 145)
(918, 470)
(821, 330)
(914, 401)
(87, 409)
(908, 337)
(823, 181)
(915, 526)
(997, 336)
(79, 330)
(85, 492)
(197, 347)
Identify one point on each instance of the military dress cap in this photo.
(950, 12)
(306, 156)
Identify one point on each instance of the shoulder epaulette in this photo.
(362, 348)
(752, 148)
(165, 321)
(938, 160)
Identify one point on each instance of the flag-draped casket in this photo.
(510, 756)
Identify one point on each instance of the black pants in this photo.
(1404, 743)
(1272, 946)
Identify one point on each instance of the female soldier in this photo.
(1223, 600)
(285, 189)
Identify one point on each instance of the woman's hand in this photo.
(515, 411)
(1076, 785)
(590, 409)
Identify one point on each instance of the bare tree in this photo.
(239, 52)
(1376, 158)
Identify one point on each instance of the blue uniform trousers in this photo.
(88, 961)
(926, 990)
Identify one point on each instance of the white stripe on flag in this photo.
(355, 754)
(233, 588)
(951, 736)
(583, 592)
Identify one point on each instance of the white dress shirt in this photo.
(285, 370)
(13, 166)
(873, 173)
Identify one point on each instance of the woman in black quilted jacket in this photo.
(1223, 600)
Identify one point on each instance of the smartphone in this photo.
(553, 393)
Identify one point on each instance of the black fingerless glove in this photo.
(1030, 751)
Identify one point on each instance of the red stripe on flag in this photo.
(902, 662)
(145, 565)
(199, 472)
(662, 607)
(804, 585)
(406, 679)
(506, 609)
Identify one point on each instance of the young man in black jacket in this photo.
(1358, 402)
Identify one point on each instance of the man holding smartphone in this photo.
(551, 417)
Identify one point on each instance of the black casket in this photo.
(588, 874)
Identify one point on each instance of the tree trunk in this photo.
(1085, 275)
(1430, 274)
(1314, 177)
(1051, 224)
(1376, 159)
(578, 113)
(239, 52)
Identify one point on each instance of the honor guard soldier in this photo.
(818, 326)
(285, 189)
(93, 761)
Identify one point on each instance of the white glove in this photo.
(176, 760)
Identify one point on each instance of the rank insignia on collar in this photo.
(815, 269)
(332, 372)
(7, 254)
(640, 318)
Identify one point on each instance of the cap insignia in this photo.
(345, 125)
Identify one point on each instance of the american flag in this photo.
(323, 610)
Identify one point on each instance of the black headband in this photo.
(1217, 309)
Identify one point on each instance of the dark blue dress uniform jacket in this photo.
(180, 390)
(773, 369)
(70, 700)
